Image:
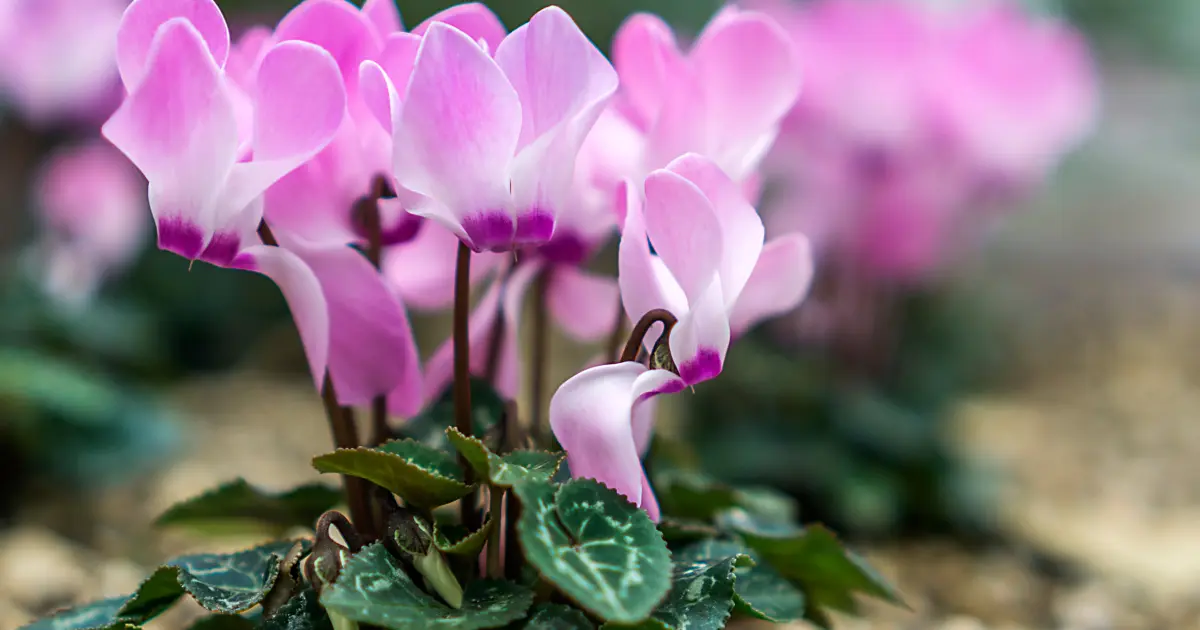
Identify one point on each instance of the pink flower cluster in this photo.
(918, 120)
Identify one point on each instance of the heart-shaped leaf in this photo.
(689, 494)
(223, 622)
(101, 615)
(302, 612)
(508, 469)
(686, 530)
(238, 504)
(456, 540)
(595, 546)
(701, 594)
(557, 617)
(374, 589)
(760, 591)
(487, 408)
(828, 573)
(422, 475)
(222, 583)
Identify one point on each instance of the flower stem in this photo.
(541, 342)
(367, 209)
(656, 316)
(462, 374)
(345, 435)
(495, 570)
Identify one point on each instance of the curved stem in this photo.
(656, 316)
(462, 373)
(336, 519)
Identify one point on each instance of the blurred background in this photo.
(1002, 418)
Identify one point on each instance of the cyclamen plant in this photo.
(320, 153)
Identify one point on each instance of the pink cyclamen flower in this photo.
(724, 98)
(487, 144)
(601, 417)
(709, 267)
(92, 209)
(56, 57)
(208, 167)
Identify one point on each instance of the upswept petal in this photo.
(397, 57)
(178, 127)
(456, 136)
(378, 94)
(472, 18)
(338, 27)
(645, 390)
(645, 282)
(701, 338)
(142, 19)
(563, 83)
(683, 228)
(371, 346)
(645, 55)
(384, 16)
(584, 304)
(780, 281)
(590, 415)
(751, 78)
(246, 54)
(305, 299)
(299, 104)
(742, 230)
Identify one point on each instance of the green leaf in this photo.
(238, 503)
(681, 530)
(456, 540)
(595, 546)
(508, 469)
(222, 583)
(101, 615)
(374, 589)
(828, 573)
(760, 591)
(429, 428)
(423, 476)
(223, 622)
(689, 494)
(701, 594)
(302, 612)
(557, 617)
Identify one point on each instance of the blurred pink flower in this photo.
(92, 211)
(916, 120)
(56, 58)
(710, 267)
(598, 417)
(210, 147)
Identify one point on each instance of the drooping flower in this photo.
(709, 266)
(184, 125)
(92, 211)
(56, 58)
(486, 139)
(600, 417)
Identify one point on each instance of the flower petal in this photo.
(780, 281)
(142, 20)
(456, 136)
(741, 229)
(645, 282)
(563, 83)
(590, 415)
(422, 269)
(384, 16)
(583, 304)
(684, 230)
(178, 127)
(371, 346)
(645, 55)
(338, 27)
(701, 338)
(378, 94)
(751, 78)
(299, 105)
(304, 296)
(472, 18)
